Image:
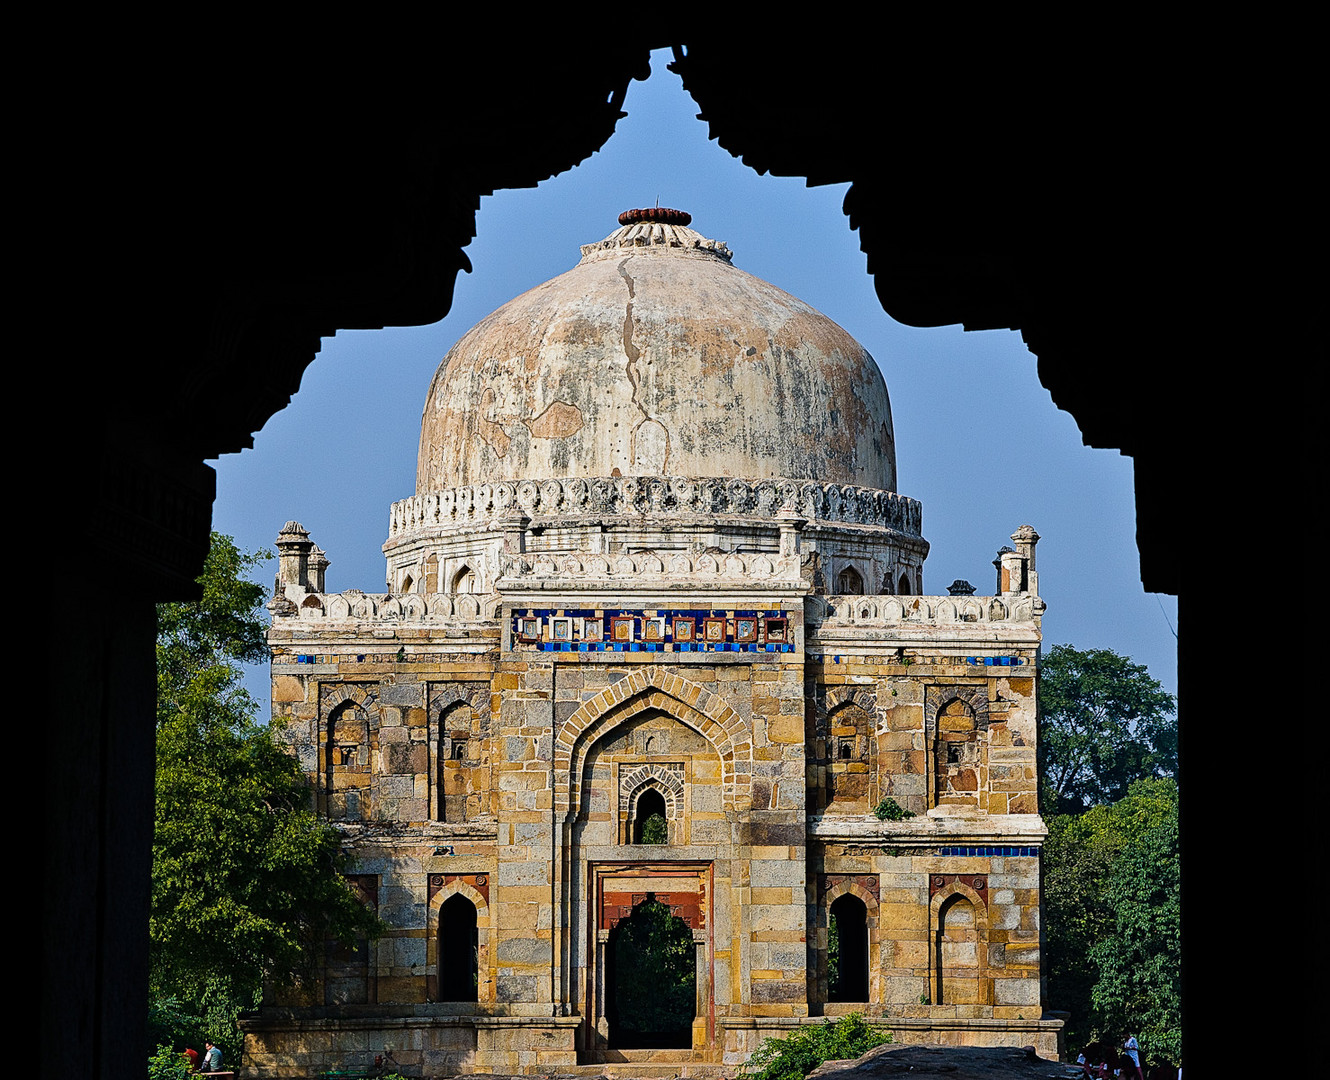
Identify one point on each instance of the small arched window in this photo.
(849, 582)
(650, 824)
(903, 586)
(464, 581)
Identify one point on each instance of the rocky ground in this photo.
(922, 1063)
(946, 1063)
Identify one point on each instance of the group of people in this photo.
(212, 1058)
(1127, 1066)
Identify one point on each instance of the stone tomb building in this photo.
(655, 646)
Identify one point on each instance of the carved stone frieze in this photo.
(593, 566)
(643, 495)
(387, 607)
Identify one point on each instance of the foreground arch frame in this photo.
(249, 332)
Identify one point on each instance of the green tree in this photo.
(799, 1053)
(655, 830)
(246, 882)
(655, 971)
(1105, 722)
(1092, 862)
(1140, 960)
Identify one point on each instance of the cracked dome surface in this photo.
(654, 356)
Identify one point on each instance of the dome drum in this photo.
(876, 532)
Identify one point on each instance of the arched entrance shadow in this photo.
(849, 981)
(651, 980)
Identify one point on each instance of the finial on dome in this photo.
(656, 229)
(662, 215)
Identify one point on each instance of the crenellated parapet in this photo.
(867, 611)
(638, 496)
(361, 607)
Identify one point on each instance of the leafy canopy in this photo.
(246, 881)
(656, 987)
(799, 1053)
(1105, 723)
(655, 830)
(1090, 862)
(1109, 750)
(1139, 960)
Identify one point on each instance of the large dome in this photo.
(654, 356)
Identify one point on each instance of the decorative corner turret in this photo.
(301, 564)
(1025, 539)
(318, 567)
(1015, 566)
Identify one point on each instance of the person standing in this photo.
(1133, 1051)
(212, 1057)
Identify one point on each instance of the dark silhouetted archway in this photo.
(847, 979)
(652, 980)
(458, 950)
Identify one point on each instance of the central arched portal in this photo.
(651, 985)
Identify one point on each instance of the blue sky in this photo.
(979, 442)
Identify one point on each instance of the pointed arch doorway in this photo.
(670, 904)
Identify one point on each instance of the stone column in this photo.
(702, 1013)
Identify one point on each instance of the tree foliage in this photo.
(168, 1064)
(1105, 723)
(1111, 903)
(1139, 987)
(246, 882)
(655, 971)
(799, 1053)
(655, 830)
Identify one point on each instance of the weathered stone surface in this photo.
(944, 1063)
(659, 439)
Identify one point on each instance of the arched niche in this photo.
(854, 898)
(348, 968)
(851, 759)
(651, 689)
(650, 754)
(349, 751)
(957, 718)
(465, 581)
(958, 958)
(459, 728)
(458, 938)
(849, 582)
